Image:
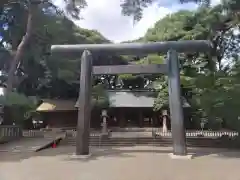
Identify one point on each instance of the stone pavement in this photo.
(130, 163)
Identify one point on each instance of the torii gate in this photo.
(171, 69)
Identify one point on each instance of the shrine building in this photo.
(127, 108)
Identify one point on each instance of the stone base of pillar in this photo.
(81, 157)
(185, 157)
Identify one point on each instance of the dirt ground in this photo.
(130, 163)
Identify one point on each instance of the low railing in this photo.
(190, 133)
(33, 133)
(73, 133)
(201, 133)
(9, 133)
(14, 132)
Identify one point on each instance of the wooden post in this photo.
(122, 120)
(175, 103)
(84, 105)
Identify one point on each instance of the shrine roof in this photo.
(52, 105)
(131, 99)
(117, 99)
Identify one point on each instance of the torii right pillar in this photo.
(175, 103)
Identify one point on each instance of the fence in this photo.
(190, 134)
(33, 133)
(9, 133)
(212, 134)
(14, 132)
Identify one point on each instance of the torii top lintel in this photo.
(136, 48)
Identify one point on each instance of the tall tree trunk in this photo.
(20, 49)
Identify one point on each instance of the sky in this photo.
(105, 16)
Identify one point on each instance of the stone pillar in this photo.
(176, 111)
(84, 105)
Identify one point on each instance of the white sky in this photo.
(105, 16)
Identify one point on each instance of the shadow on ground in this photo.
(128, 152)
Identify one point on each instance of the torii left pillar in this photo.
(84, 105)
(176, 110)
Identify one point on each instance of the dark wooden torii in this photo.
(171, 69)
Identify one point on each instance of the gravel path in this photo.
(131, 163)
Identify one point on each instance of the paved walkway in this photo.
(132, 163)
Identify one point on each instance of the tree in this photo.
(17, 107)
(23, 8)
(27, 8)
(130, 8)
(204, 76)
(38, 72)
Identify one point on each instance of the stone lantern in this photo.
(104, 121)
(164, 115)
(202, 124)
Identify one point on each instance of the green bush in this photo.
(17, 107)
